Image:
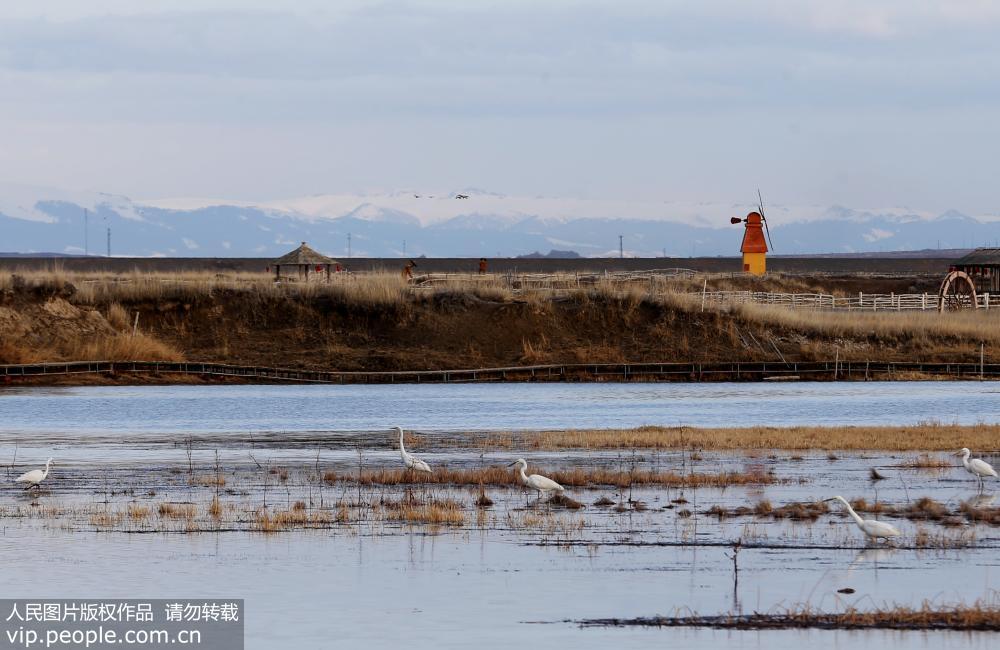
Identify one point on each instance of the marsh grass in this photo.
(579, 478)
(920, 437)
(122, 347)
(927, 462)
(547, 522)
(483, 500)
(924, 538)
(273, 521)
(921, 510)
(436, 512)
(170, 510)
(106, 520)
(983, 614)
(208, 480)
(138, 512)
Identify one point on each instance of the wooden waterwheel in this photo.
(957, 292)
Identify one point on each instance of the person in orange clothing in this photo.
(482, 266)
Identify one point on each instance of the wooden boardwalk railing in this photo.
(724, 371)
(822, 301)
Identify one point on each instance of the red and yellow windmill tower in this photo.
(754, 247)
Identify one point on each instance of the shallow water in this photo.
(491, 584)
(463, 407)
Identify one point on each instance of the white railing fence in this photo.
(860, 302)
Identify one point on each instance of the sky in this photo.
(888, 103)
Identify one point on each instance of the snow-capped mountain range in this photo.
(463, 223)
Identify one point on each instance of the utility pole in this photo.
(86, 232)
(109, 241)
(621, 247)
(404, 248)
(348, 245)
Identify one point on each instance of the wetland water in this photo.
(516, 572)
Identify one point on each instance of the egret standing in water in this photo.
(409, 460)
(870, 527)
(35, 476)
(977, 467)
(542, 484)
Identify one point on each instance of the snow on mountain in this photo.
(468, 222)
(22, 202)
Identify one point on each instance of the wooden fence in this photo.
(860, 302)
(723, 371)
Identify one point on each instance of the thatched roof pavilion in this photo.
(303, 260)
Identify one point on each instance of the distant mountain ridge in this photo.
(409, 223)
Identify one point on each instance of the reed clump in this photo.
(975, 513)
(924, 538)
(926, 461)
(208, 480)
(268, 521)
(121, 347)
(483, 500)
(581, 478)
(438, 512)
(137, 512)
(801, 511)
(170, 510)
(105, 519)
(215, 508)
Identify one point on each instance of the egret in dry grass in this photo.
(872, 528)
(542, 484)
(35, 476)
(977, 467)
(409, 460)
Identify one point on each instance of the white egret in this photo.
(872, 528)
(977, 467)
(409, 460)
(542, 484)
(35, 476)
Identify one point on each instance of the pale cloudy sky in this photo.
(861, 103)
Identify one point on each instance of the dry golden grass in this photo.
(922, 437)
(117, 316)
(215, 508)
(137, 512)
(926, 461)
(504, 477)
(378, 288)
(795, 511)
(169, 510)
(979, 325)
(208, 480)
(105, 519)
(272, 522)
(123, 347)
(546, 522)
(438, 512)
(983, 615)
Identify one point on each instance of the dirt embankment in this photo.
(443, 330)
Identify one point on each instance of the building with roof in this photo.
(983, 268)
(304, 264)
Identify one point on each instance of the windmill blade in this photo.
(760, 205)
